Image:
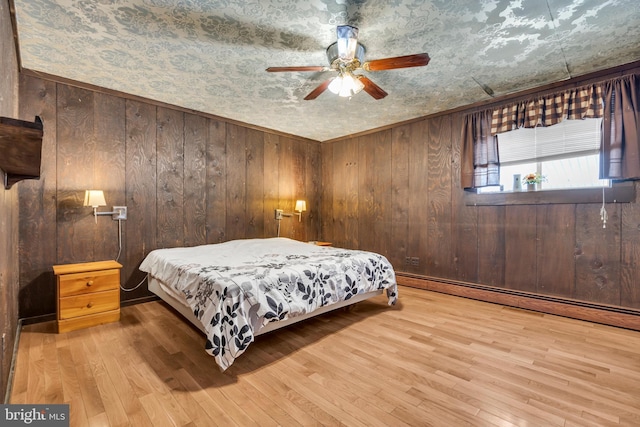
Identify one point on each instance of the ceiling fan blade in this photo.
(308, 68)
(417, 60)
(317, 91)
(372, 89)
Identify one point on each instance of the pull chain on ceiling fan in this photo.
(345, 57)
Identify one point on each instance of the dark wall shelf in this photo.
(20, 149)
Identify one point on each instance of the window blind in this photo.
(569, 138)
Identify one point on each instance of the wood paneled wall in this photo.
(398, 192)
(189, 179)
(8, 280)
(8, 205)
(186, 179)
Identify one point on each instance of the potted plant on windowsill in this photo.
(533, 180)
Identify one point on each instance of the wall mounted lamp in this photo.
(95, 199)
(301, 206)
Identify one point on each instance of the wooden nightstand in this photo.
(87, 294)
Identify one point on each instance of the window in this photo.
(565, 154)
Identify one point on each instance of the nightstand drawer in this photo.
(94, 281)
(82, 305)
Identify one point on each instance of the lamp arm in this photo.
(289, 214)
(118, 213)
(280, 214)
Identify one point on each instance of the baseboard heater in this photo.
(593, 312)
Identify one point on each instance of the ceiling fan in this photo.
(347, 56)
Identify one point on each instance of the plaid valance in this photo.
(579, 103)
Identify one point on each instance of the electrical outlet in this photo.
(407, 260)
(279, 213)
(415, 261)
(120, 212)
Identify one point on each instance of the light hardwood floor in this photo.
(432, 360)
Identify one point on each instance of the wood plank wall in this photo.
(398, 192)
(189, 179)
(186, 179)
(8, 204)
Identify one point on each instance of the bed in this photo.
(236, 290)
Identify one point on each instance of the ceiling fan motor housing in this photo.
(334, 57)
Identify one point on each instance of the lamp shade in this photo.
(94, 198)
(301, 206)
(346, 85)
(336, 85)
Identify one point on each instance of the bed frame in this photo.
(184, 310)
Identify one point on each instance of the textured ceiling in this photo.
(211, 55)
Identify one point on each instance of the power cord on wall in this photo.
(603, 209)
(603, 212)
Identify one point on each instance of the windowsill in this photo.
(619, 192)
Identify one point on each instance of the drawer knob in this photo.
(90, 282)
(90, 305)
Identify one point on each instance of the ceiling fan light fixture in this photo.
(347, 42)
(356, 85)
(346, 85)
(335, 85)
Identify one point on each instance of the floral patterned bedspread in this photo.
(236, 287)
